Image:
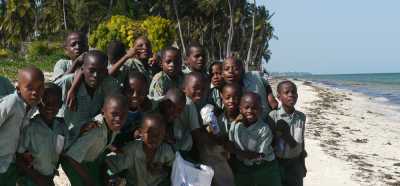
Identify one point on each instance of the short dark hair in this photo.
(53, 89)
(211, 66)
(99, 55)
(192, 45)
(170, 48)
(134, 75)
(80, 34)
(119, 98)
(280, 84)
(115, 50)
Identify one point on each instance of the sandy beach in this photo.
(351, 139)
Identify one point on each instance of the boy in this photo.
(148, 160)
(44, 140)
(233, 72)
(75, 45)
(15, 111)
(170, 76)
(215, 75)
(83, 160)
(195, 59)
(135, 59)
(6, 87)
(194, 86)
(90, 93)
(290, 125)
(254, 135)
(115, 51)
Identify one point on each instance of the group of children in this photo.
(120, 116)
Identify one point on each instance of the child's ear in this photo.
(17, 87)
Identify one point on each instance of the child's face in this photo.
(288, 95)
(136, 93)
(196, 59)
(144, 49)
(152, 134)
(31, 88)
(170, 63)
(230, 98)
(94, 71)
(250, 109)
(115, 115)
(172, 110)
(50, 105)
(231, 71)
(75, 46)
(194, 89)
(216, 75)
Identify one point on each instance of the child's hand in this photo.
(156, 168)
(282, 128)
(28, 159)
(88, 126)
(136, 134)
(79, 60)
(131, 52)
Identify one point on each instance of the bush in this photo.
(43, 48)
(5, 53)
(160, 32)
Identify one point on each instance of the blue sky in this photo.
(335, 36)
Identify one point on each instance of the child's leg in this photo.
(268, 174)
(94, 171)
(73, 177)
(243, 174)
(292, 172)
(9, 178)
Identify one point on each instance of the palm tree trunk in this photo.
(230, 31)
(247, 62)
(179, 28)
(65, 14)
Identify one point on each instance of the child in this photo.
(75, 45)
(6, 87)
(90, 93)
(215, 75)
(233, 72)
(194, 87)
(290, 125)
(148, 160)
(195, 59)
(84, 158)
(135, 59)
(44, 139)
(135, 89)
(254, 135)
(231, 94)
(15, 111)
(170, 76)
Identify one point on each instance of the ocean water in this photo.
(383, 86)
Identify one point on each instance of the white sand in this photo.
(351, 139)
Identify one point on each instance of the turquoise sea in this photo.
(382, 86)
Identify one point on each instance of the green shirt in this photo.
(89, 146)
(134, 160)
(215, 97)
(61, 67)
(13, 117)
(186, 122)
(296, 122)
(226, 126)
(87, 106)
(6, 87)
(161, 83)
(131, 65)
(44, 143)
(254, 82)
(255, 138)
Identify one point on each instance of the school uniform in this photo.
(161, 83)
(45, 144)
(133, 159)
(61, 67)
(14, 115)
(88, 150)
(87, 106)
(186, 122)
(291, 160)
(215, 97)
(254, 82)
(252, 172)
(6, 87)
(131, 65)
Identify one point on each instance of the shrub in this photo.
(160, 32)
(43, 48)
(5, 53)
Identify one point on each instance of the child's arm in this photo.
(27, 169)
(71, 95)
(79, 169)
(272, 102)
(76, 64)
(115, 67)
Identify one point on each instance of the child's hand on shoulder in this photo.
(282, 128)
(88, 126)
(79, 60)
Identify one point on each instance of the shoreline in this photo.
(351, 138)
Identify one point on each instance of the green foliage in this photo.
(43, 48)
(160, 32)
(5, 53)
(117, 28)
